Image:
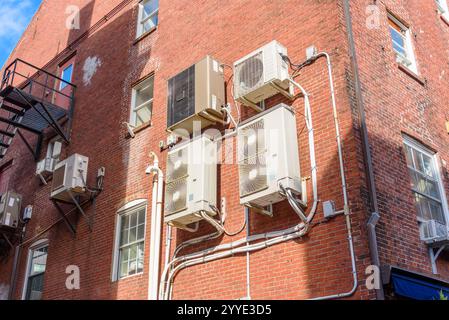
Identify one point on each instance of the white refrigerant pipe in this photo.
(156, 225)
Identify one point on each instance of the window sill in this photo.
(144, 35)
(412, 74)
(139, 129)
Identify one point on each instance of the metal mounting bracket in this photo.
(434, 253)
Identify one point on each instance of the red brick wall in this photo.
(318, 264)
(397, 103)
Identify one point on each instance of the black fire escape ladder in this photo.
(30, 101)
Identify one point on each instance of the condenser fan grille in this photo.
(175, 196)
(177, 165)
(249, 74)
(253, 175)
(251, 140)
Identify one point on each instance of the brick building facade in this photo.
(400, 100)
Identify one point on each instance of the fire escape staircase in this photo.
(28, 103)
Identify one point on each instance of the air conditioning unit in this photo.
(433, 231)
(268, 156)
(69, 176)
(10, 206)
(191, 183)
(196, 94)
(261, 74)
(45, 166)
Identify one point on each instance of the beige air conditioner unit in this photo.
(69, 177)
(261, 74)
(10, 206)
(268, 156)
(191, 184)
(196, 94)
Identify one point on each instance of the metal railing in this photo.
(41, 84)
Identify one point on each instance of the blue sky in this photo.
(14, 18)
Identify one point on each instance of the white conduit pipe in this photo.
(274, 236)
(156, 224)
(343, 183)
(248, 274)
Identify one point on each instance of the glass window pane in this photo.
(132, 235)
(150, 23)
(124, 237)
(133, 252)
(66, 76)
(428, 166)
(141, 219)
(133, 218)
(145, 93)
(143, 115)
(124, 269)
(124, 224)
(140, 231)
(409, 155)
(149, 7)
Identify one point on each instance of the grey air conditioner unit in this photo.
(10, 206)
(433, 231)
(268, 156)
(261, 74)
(69, 177)
(196, 94)
(191, 183)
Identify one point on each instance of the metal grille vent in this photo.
(252, 159)
(177, 166)
(58, 178)
(176, 196)
(249, 74)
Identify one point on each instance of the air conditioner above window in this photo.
(191, 184)
(10, 206)
(69, 178)
(268, 157)
(433, 231)
(261, 74)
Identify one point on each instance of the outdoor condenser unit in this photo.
(196, 94)
(69, 177)
(433, 231)
(261, 74)
(268, 156)
(191, 184)
(10, 206)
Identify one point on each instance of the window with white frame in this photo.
(130, 241)
(427, 188)
(401, 37)
(443, 8)
(142, 102)
(148, 16)
(37, 264)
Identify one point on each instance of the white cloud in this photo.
(14, 17)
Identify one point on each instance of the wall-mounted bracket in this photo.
(434, 253)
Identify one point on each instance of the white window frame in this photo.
(128, 208)
(409, 49)
(35, 246)
(134, 108)
(141, 21)
(443, 8)
(436, 163)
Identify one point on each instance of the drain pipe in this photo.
(156, 225)
(374, 208)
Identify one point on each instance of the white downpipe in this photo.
(156, 224)
(248, 269)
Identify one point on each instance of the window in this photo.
(66, 76)
(37, 263)
(443, 8)
(426, 183)
(148, 16)
(142, 102)
(130, 240)
(402, 43)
